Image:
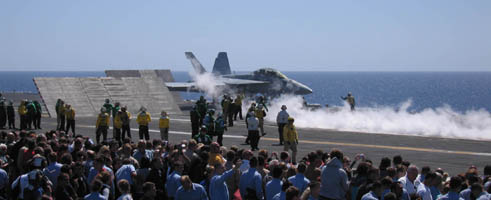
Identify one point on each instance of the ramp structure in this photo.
(87, 95)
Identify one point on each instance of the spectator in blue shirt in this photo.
(127, 172)
(250, 184)
(94, 191)
(299, 180)
(142, 151)
(174, 180)
(97, 168)
(4, 179)
(375, 192)
(273, 187)
(190, 190)
(453, 194)
(282, 194)
(218, 187)
(52, 171)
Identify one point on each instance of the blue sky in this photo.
(365, 35)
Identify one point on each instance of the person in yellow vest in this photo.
(70, 119)
(102, 125)
(238, 106)
(260, 114)
(22, 110)
(125, 118)
(351, 100)
(164, 126)
(61, 112)
(142, 120)
(117, 125)
(290, 137)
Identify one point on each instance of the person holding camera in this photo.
(290, 137)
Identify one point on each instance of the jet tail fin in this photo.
(221, 66)
(196, 64)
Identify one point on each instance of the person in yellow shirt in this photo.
(238, 106)
(260, 114)
(290, 137)
(117, 125)
(125, 118)
(22, 110)
(70, 119)
(102, 125)
(61, 112)
(164, 126)
(143, 119)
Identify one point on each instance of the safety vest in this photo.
(290, 133)
(164, 122)
(102, 120)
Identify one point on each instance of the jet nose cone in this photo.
(305, 90)
(302, 89)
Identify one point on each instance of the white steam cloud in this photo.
(438, 122)
(207, 83)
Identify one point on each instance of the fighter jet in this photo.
(265, 81)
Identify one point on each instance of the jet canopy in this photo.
(269, 72)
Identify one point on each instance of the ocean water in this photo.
(435, 104)
(462, 91)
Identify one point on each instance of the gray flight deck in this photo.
(87, 95)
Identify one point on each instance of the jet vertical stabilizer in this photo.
(196, 64)
(221, 67)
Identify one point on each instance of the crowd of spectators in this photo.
(55, 165)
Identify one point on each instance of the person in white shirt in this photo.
(253, 128)
(424, 188)
(409, 181)
(281, 121)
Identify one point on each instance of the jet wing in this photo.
(235, 81)
(221, 82)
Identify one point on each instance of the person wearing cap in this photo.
(101, 125)
(23, 115)
(125, 117)
(37, 114)
(164, 126)
(209, 122)
(108, 106)
(70, 119)
(290, 137)
(202, 107)
(250, 184)
(11, 115)
(238, 106)
(114, 110)
(226, 106)
(195, 118)
(281, 121)
(220, 128)
(143, 119)
(351, 100)
(31, 112)
(117, 126)
(260, 114)
(202, 137)
(253, 131)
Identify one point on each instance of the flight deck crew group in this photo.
(205, 122)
